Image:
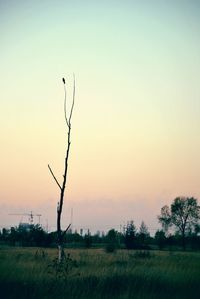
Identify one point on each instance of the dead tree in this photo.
(60, 232)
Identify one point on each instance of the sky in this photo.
(135, 128)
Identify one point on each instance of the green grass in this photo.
(120, 275)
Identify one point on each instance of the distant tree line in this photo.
(183, 215)
(130, 238)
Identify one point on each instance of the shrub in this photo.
(110, 247)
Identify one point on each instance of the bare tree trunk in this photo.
(183, 240)
(60, 233)
(183, 233)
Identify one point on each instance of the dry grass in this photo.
(96, 274)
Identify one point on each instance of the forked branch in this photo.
(72, 107)
(68, 121)
(65, 102)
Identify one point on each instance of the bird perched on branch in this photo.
(63, 80)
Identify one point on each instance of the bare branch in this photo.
(62, 187)
(65, 103)
(72, 102)
(54, 177)
(66, 230)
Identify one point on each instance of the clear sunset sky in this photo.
(136, 123)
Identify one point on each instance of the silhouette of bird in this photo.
(63, 80)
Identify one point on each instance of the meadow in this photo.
(93, 273)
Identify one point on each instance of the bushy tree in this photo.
(130, 235)
(88, 239)
(143, 235)
(111, 240)
(183, 214)
(37, 235)
(165, 218)
(5, 234)
(13, 236)
(160, 239)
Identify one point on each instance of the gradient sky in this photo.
(135, 135)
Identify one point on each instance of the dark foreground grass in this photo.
(100, 275)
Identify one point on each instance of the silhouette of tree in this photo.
(130, 234)
(111, 240)
(143, 234)
(184, 213)
(60, 233)
(160, 239)
(88, 239)
(165, 218)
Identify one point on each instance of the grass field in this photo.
(97, 274)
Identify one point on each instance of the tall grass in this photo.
(120, 275)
